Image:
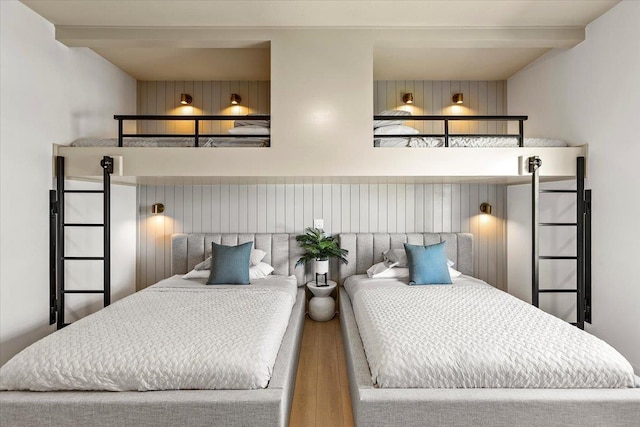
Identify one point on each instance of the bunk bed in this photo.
(460, 354)
(84, 391)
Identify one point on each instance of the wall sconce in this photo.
(235, 99)
(485, 208)
(407, 98)
(185, 99)
(157, 208)
(457, 98)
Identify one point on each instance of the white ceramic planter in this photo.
(321, 266)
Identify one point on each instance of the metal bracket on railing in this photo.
(107, 164)
(534, 164)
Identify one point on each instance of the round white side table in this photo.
(322, 307)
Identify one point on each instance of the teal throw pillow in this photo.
(427, 264)
(230, 264)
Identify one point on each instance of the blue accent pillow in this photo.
(230, 264)
(427, 264)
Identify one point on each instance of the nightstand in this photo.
(322, 307)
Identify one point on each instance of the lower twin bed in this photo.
(464, 354)
(467, 353)
(204, 355)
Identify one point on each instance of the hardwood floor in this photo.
(321, 396)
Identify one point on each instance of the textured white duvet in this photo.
(178, 334)
(470, 335)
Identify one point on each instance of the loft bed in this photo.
(390, 131)
(248, 131)
(183, 156)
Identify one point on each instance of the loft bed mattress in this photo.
(464, 141)
(471, 335)
(178, 334)
(171, 142)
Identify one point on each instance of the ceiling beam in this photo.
(442, 37)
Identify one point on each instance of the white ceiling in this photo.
(451, 64)
(323, 13)
(190, 64)
(166, 55)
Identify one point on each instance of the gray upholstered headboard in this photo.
(365, 249)
(282, 250)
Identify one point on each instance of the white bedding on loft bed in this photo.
(471, 335)
(178, 334)
(171, 142)
(466, 141)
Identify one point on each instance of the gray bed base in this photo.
(194, 408)
(378, 407)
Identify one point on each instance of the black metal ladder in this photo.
(583, 241)
(57, 257)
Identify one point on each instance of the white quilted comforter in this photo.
(470, 335)
(177, 334)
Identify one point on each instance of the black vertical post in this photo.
(53, 247)
(120, 139)
(60, 240)
(587, 257)
(521, 133)
(534, 165)
(196, 128)
(580, 214)
(107, 167)
(446, 132)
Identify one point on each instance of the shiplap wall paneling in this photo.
(289, 205)
(434, 98)
(209, 98)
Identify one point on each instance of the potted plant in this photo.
(319, 248)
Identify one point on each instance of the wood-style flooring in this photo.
(321, 396)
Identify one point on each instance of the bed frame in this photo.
(229, 408)
(374, 407)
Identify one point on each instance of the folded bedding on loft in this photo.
(177, 334)
(471, 335)
(467, 141)
(172, 142)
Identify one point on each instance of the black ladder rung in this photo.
(81, 224)
(558, 257)
(559, 224)
(83, 258)
(82, 291)
(84, 191)
(558, 191)
(559, 291)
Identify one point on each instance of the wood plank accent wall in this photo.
(290, 205)
(433, 97)
(209, 98)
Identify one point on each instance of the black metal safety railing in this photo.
(447, 134)
(196, 135)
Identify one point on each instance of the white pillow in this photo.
(197, 274)
(396, 130)
(381, 271)
(250, 130)
(384, 123)
(255, 123)
(454, 273)
(255, 257)
(259, 271)
(395, 258)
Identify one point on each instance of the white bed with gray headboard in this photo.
(178, 337)
(468, 353)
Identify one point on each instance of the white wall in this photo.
(50, 94)
(591, 94)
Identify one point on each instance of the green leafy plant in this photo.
(319, 246)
